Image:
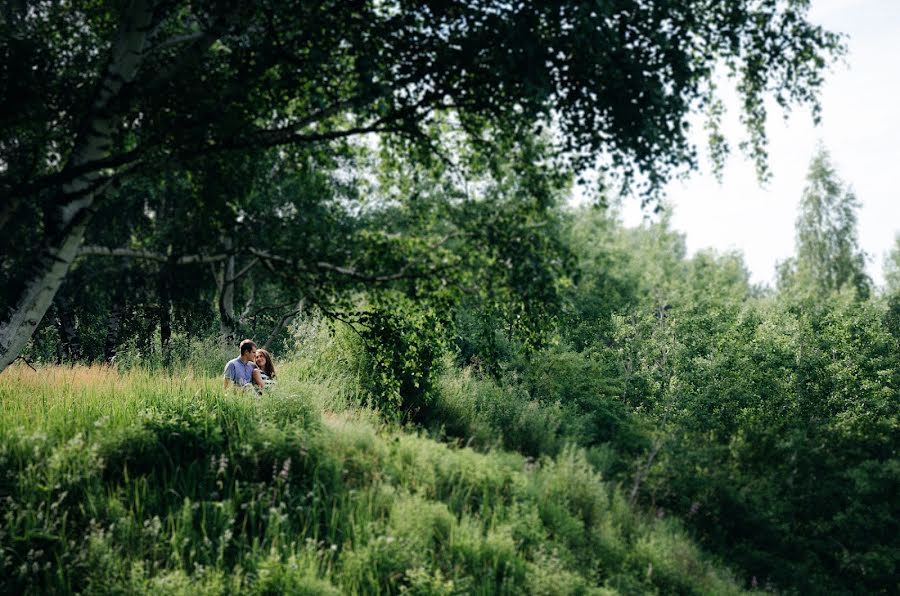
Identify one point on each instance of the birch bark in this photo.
(69, 213)
(226, 297)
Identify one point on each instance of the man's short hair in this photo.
(247, 346)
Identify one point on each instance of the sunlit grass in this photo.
(61, 397)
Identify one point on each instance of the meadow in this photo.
(137, 481)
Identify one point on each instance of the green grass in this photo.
(142, 482)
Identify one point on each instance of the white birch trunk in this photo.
(226, 297)
(71, 210)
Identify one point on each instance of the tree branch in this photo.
(247, 305)
(266, 138)
(404, 272)
(285, 320)
(246, 269)
(176, 40)
(260, 138)
(103, 251)
(322, 265)
(407, 271)
(25, 360)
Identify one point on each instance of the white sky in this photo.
(860, 128)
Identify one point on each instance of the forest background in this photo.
(382, 202)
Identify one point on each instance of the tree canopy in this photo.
(105, 93)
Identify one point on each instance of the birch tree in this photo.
(828, 253)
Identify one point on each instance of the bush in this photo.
(483, 413)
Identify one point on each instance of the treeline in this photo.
(766, 419)
(253, 137)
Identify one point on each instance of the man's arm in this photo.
(229, 375)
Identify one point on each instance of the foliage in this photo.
(762, 457)
(377, 178)
(828, 253)
(767, 423)
(771, 421)
(163, 113)
(892, 269)
(211, 75)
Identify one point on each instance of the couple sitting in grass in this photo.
(253, 368)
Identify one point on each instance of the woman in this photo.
(266, 367)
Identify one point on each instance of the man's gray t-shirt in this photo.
(239, 373)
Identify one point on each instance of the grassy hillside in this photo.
(140, 482)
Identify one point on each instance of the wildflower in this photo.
(285, 469)
(223, 465)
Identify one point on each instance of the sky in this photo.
(860, 128)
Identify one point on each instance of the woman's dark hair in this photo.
(268, 367)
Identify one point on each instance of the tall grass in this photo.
(146, 482)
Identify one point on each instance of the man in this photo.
(242, 371)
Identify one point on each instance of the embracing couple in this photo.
(253, 368)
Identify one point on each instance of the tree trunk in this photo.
(67, 326)
(8, 209)
(165, 316)
(34, 300)
(117, 311)
(226, 297)
(113, 324)
(69, 213)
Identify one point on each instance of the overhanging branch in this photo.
(408, 271)
(104, 251)
(349, 272)
(246, 269)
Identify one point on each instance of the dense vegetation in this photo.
(484, 389)
(662, 388)
(767, 420)
(174, 111)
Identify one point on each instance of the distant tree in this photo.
(892, 269)
(892, 288)
(828, 257)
